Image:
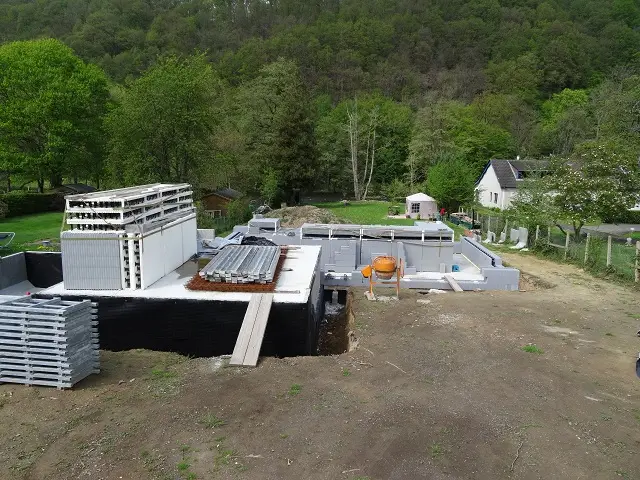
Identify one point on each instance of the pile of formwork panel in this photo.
(127, 238)
(113, 209)
(48, 342)
(243, 264)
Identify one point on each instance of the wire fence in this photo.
(598, 252)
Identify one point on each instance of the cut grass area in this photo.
(365, 212)
(32, 228)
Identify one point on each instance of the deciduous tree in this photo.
(51, 112)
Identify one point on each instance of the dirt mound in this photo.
(294, 217)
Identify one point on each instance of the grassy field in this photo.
(32, 228)
(373, 213)
(366, 213)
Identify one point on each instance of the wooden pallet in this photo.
(251, 334)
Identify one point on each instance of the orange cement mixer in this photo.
(384, 268)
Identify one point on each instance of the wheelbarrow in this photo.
(6, 238)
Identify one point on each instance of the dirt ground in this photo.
(437, 390)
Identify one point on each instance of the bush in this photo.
(203, 219)
(626, 216)
(239, 211)
(396, 190)
(4, 209)
(24, 203)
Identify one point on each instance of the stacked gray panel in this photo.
(243, 264)
(91, 260)
(48, 342)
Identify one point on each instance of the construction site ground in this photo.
(438, 387)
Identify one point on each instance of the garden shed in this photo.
(421, 205)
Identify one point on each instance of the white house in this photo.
(420, 204)
(497, 185)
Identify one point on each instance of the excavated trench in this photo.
(336, 332)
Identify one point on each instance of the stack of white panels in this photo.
(48, 342)
(127, 238)
(134, 258)
(113, 209)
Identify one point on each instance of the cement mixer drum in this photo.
(384, 267)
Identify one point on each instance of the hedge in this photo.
(627, 216)
(23, 203)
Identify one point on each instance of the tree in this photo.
(51, 112)
(278, 126)
(451, 183)
(432, 138)
(161, 131)
(371, 130)
(593, 184)
(356, 130)
(565, 121)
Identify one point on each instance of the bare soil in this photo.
(437, 390)
(295, 217)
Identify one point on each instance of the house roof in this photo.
(78, 188)
(420, 197)
(506, 170)
(228, 193)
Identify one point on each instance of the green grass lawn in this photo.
(365, 213)
(373, 213)
(32, 228)
(635, 235)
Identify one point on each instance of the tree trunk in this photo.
(373, 157)
(353, 146)
(8, 182)
(55, 180)
(41, 185)
(577, 228)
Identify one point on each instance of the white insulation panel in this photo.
(164, 250)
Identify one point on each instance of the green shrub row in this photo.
(24, 203)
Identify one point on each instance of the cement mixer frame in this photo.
(369, 271)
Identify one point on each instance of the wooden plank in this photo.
(453, 283)
(242, 343)
(255, 342)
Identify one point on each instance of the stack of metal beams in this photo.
(48, 342)
(243, 264)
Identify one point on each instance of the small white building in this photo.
(422, 205)
(497, 185)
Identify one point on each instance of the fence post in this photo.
(548, 233)
(609, 251)
(638, 261)
(566, 246)
(537, 232)
(586, 248)
(489, 224)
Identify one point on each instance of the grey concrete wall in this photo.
(501, 278)
(479, 254)
(13, 269)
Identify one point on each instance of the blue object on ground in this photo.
(455, 268)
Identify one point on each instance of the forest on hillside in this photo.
(353, 96)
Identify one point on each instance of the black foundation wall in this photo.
(44, 269)
(200, 328)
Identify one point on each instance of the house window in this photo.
(415, 208)
(495, 198)
(214, 213)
